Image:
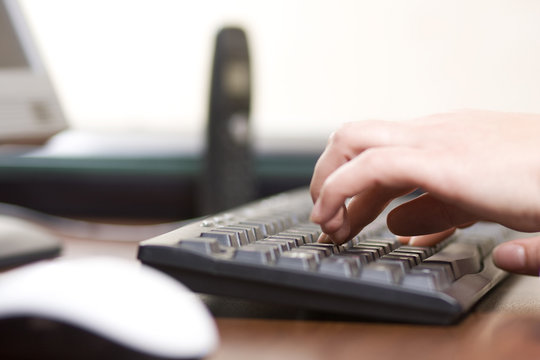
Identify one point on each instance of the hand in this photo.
(473, 165)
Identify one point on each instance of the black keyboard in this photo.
(267, 251)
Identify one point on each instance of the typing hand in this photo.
(473, 165)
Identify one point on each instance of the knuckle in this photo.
(343, 134)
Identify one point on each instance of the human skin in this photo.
(473, 165)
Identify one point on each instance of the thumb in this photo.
(520, 256)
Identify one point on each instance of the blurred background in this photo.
(138, 68)
(145, 65)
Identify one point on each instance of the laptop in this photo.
(29, 108)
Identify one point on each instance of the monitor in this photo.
(29, 108)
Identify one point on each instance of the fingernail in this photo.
(511, 256)
(413, 240)
(324, 239)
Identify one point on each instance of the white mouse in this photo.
(123, 301)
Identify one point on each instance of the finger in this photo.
(427, 215)
(354, 138)
(363, 209)
(337, 229)
(391, 168)
(520, 256)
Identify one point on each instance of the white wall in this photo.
(144, 64)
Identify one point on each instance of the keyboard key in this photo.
(265, 228)
(391, 241)
(318, 253)
(382, 249)
(415, 257)
(313, 230)
(405, 260)
(269, 226)
(462, 258)
(305, 237)
(340, 266)
(377, 253)
(252, 232)
(298, 260)
(256, 254)
(298, 239)
(423, 251)
(387, 245)
(225, 238)
(334, 249)
(444, 271)
(426, 279)
(207, 246)
(322, 249)
(361, 259)
(383, 272)
(281, 246)
(372, 254)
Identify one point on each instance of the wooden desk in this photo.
(505, 325)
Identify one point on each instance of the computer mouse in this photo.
(138, 311)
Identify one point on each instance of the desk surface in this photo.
(504, 325)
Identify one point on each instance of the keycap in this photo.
(444, 269)
(305, 237)
(201, 245)
(361, 259)
(236, 237)
(425, 279)
(423, 251)
(265, 228)
(282, 246)
(415, 257)
(372, 254)
(340, 266)
(297, 260)
(318, 253)
(429, 277)
(405, 260)
(291, 243)
(256, 254)
(268, 226)
(313, 230)
(334, 249)
(384, 245)
(225, 238)
(324, 250)
(379, 249)
(252, 232)
(392, 242)
(463, 258)
(298, 239)
(383, 272)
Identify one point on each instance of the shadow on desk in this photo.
(505, 325)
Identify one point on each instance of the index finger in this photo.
(351, 140)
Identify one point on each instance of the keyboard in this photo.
(267, 251)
